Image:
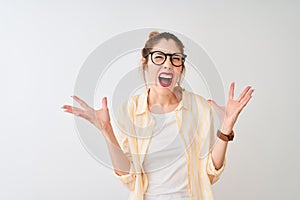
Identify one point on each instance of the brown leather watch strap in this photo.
(225, 137)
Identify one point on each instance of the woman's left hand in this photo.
(228, 114)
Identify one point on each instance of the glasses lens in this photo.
(177, 59)
(158, 58)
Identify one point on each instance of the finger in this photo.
(244, 93)
(81, 102)
(249, 93)
(231, 91)
(71, 109)
(68, 111)
(104, 103)
(213, 103)
(78, 113)
(66, 107)
(246, 99)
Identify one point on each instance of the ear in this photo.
(144, 63)
(182, 71)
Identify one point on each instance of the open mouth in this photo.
(165, 79)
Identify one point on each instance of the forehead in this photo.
(167, 46)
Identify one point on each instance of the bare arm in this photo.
(119, 160)
(228, 115)
(101, 119)
(220, 147)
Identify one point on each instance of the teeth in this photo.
(165, 76)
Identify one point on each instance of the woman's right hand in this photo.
(100, 118)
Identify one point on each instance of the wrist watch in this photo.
(225, 137)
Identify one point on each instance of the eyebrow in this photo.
(167, 53)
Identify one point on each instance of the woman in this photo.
(164, 145)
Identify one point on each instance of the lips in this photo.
(165, 79)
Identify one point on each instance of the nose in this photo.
(165, 67)
(168, 64)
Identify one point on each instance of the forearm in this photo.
(119, 160)
(218, 153)
(220, 147)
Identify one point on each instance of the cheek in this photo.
(178, 71)
(153, 71)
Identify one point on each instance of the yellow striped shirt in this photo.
(195, 123)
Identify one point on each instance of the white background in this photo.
(44, 43)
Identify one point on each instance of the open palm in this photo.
(100, 118)
(233, 108)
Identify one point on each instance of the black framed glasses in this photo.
(159, 58)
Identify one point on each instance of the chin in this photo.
(165, 89)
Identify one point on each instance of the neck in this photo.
(163, 101)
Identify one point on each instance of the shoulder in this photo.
(132, 102)
(195, 95)
(198, 99)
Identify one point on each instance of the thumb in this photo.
(104, 102)
(213, 103)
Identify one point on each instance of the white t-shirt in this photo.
(165, 163)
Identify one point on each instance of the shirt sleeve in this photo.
(127, 180)
(122, 129)
(212, 171)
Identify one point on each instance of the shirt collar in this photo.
(142, 104)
